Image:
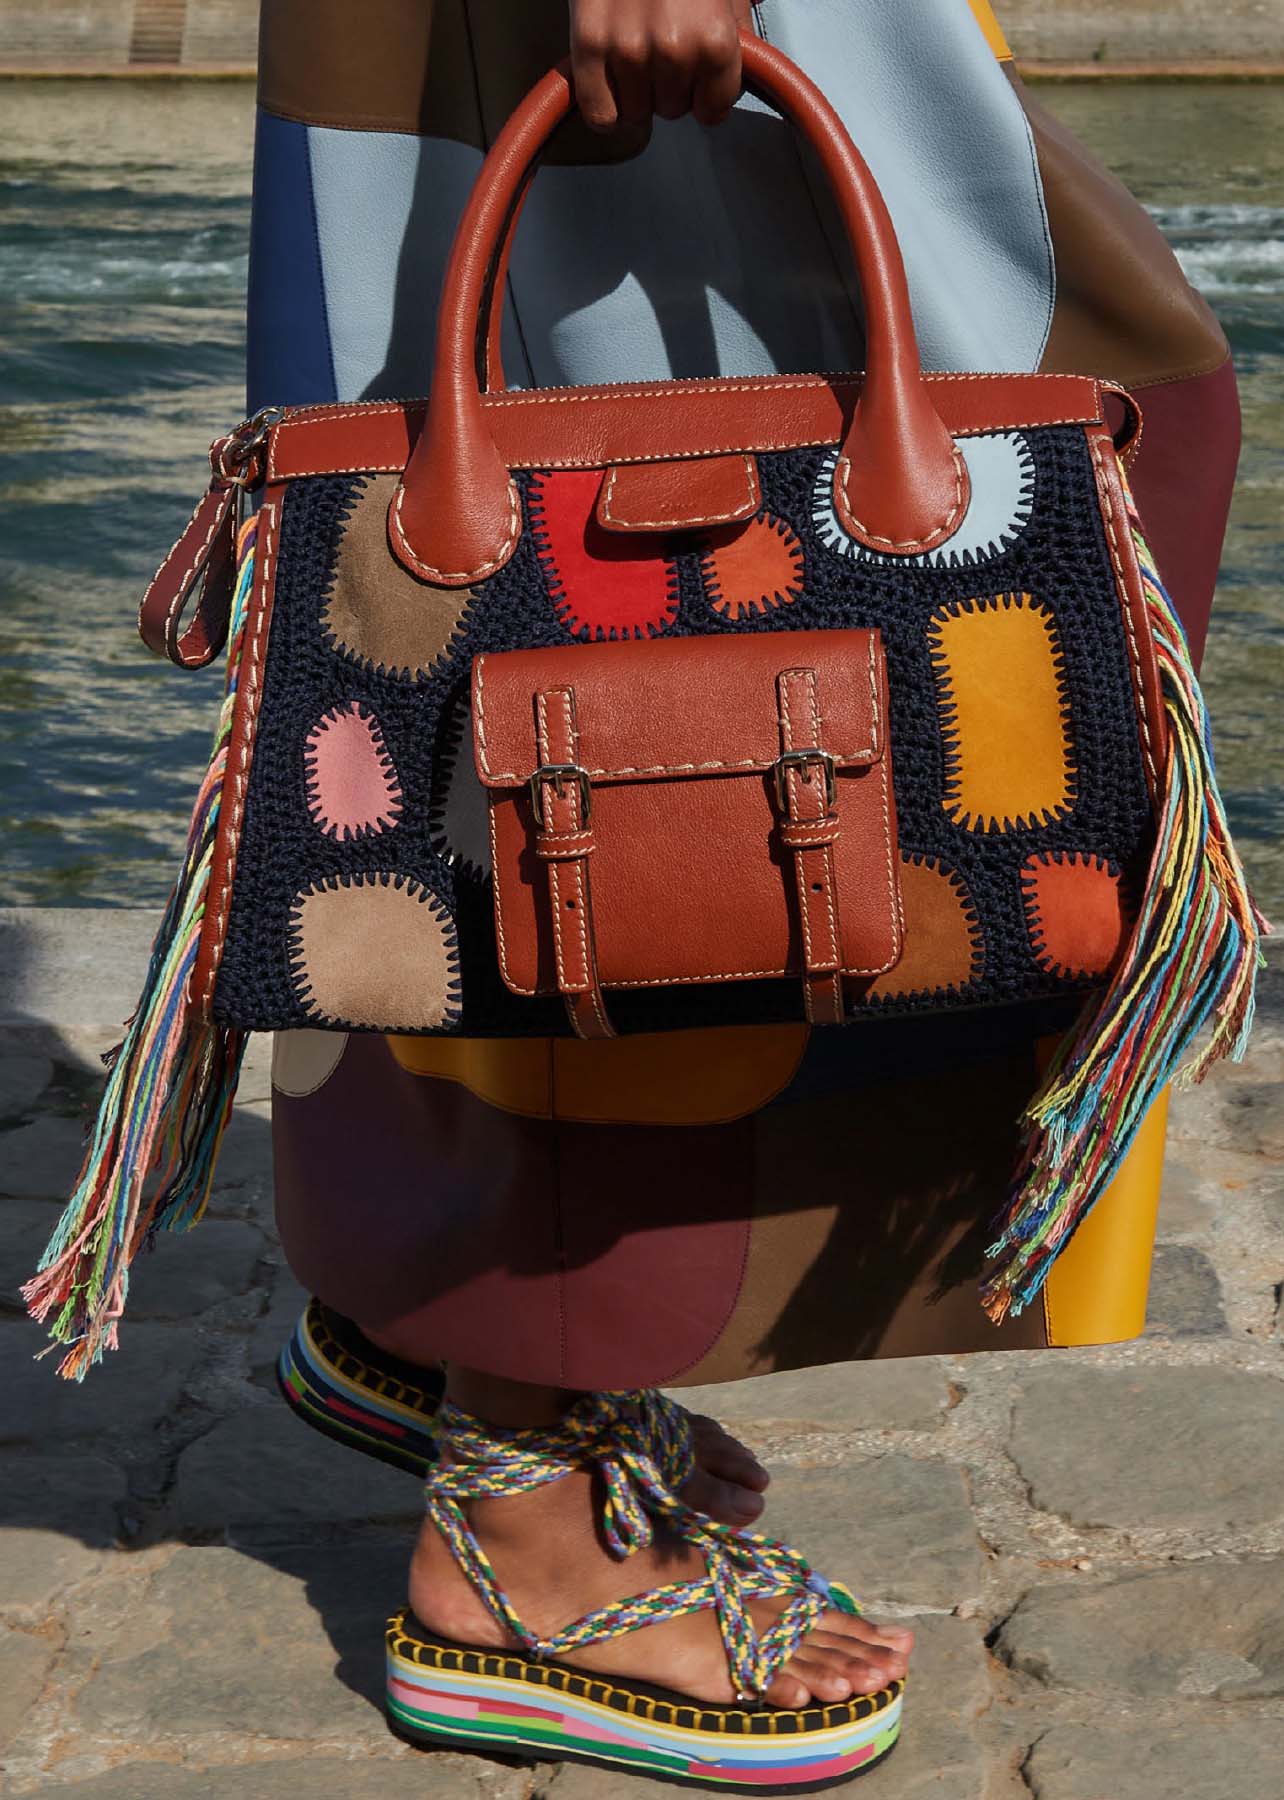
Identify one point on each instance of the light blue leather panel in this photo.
(918, 87)
(715, 252)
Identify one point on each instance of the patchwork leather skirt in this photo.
(710, 1204)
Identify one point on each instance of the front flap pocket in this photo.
(700, 809)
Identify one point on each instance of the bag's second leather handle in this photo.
(900, 486)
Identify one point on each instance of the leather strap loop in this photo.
(564, 843)
(900, 485)
(201, 564)
(809, 831)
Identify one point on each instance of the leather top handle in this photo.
(900, 486)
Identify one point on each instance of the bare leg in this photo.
(550, 1560)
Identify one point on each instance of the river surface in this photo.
(123, 230)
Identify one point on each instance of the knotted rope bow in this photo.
(639, 1444)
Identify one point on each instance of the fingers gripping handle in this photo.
(900, 486)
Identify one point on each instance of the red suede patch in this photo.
(1076, 913)
(604, 584)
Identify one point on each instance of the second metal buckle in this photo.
(559, 774)
(803, 760)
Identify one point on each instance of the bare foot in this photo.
(549, 1560)
(728, 1481)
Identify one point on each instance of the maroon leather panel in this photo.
(582, 1256)
(1182, 476)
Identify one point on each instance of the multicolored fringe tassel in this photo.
(168, 1097)
(1193, 957)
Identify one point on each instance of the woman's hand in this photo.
(633, 58)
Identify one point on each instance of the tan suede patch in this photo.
(942, 941)
(374, 954)
(376, 610)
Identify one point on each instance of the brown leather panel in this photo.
(691, 854)
(202, 563)
(404, 978)
(1123, 308)
(871, 1215)
(594, 427)
(240, 752)
(679, 496)
(376, 610)
(443, 68)
(942, 940)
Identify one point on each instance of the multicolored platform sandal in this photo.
(337, 1381)
(527, 1702)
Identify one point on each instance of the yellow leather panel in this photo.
(1000, 692)
(1096, 1291)
(680, 1078)
(993, 31)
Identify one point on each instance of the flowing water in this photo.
(123, 229)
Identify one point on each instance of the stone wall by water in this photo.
(220, 34)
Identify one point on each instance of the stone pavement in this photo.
(192, 1585)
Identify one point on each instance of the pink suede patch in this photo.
(352, 781)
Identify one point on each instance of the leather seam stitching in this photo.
(741, 510)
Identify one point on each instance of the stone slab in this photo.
(1147, 1760)
(181, 1275)
(41, 1161)
(1119, 1447)
(25, 1662)
(409, 1776)
(72, 966)
(289, 1648)
(905, 1394)
(57, 1517)
(264, 1467)
(1210, 1629)
(1185, 1295)
(23, 1078)
(893, 1529)
(123, 1398)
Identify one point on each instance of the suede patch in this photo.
(374, 951)
(1003, 705)
(749, 569)
(942, 935)
(352, 785)
(604, 584)
(303, 1061)
(376, 612)
(1076, 911)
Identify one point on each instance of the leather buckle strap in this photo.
(561, 795)
(807, 793)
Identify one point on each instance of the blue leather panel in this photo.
(288, 362)
(919, 88)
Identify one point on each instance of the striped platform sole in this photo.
(446, 1696)
(339, 1383)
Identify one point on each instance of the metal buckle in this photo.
(803, 761)
(559, 774)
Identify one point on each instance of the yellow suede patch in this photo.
(1002, 702)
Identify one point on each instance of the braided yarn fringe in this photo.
(640, 1444)
(1193, 958)
(168, 1097)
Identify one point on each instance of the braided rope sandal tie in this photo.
(527, 1702)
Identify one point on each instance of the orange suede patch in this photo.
(750, 568)
(1076, 913)
(1003, 713)
(942, 939)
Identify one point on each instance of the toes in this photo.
(787, 1690)
(828, 1681)
(877, 1661)
(723, 1455)
(725, 1501)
